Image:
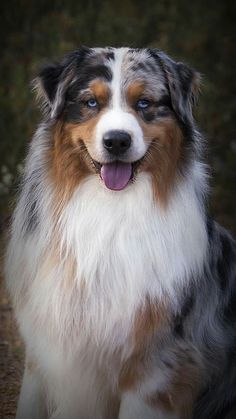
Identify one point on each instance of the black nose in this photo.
(116, 142)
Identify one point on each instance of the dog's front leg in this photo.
(31, 404)
(133, 407)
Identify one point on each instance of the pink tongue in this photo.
(116, 175)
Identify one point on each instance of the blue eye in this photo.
(143, 104)
(92, 103)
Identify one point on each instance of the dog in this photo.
(123, 287)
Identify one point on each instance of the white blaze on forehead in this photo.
(118, 118)
(116, 68)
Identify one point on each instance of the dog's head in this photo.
(116, 112)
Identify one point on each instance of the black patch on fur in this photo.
(110, 55)
(164, 112)
(180, 318)
(230, 309)
(209, 225)
(224, 262)
(100, 71)
(160, 109)
(164, 101)
(72, 112)
(186, 128)
(148, 115)
(50, 76)
(86, 74)
(220, 409)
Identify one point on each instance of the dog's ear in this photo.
(53, 80)
(183, 84)
(189, 89)
(50, 88)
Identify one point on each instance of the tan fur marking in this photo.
(163, 156)
(100, 91)
(70, 160)
(148, 320)
(151, 318)
(83, 131)
(134, 92)
(68, 168)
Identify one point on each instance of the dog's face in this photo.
(118, 112)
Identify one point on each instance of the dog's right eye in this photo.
(143, 104)
(92, 103)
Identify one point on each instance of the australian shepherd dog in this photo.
(123, 288)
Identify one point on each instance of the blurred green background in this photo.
(201, 33)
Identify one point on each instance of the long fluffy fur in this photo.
(126, 304)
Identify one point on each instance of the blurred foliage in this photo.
(200, 33)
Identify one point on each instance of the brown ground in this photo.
(11, 358)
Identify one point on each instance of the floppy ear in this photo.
(53, 80)
(183, 83)
(50, 87)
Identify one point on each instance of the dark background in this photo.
(200, 32)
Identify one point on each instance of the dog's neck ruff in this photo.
(108, 252)
(127, 248)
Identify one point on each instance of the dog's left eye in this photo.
(143, 104)
(92, 103)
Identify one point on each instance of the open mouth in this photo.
(117, 174)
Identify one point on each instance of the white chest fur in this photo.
(123, 248)
(127, 248)
(117, 248)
